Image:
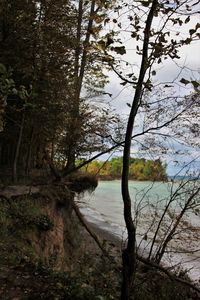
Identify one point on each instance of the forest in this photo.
(44, 63)
(81, 80)
(139, 169)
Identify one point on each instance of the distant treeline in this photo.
(140, 169)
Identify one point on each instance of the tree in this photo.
(84, 58)
(157, 45)
(7, 87)
(13, 22)
(57, 58)
(52, 120)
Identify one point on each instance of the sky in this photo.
(165, 72)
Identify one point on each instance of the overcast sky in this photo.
(165, 72)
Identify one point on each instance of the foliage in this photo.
(7, 87)
(55, 51)
(19, 216)
(140, 169)
(80, 182)
(44, 119)
(154, 43)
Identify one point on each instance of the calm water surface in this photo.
(105, 204)
(104, 207)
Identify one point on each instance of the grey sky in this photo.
(167, 71)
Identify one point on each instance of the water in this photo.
(104, 207)
(105, 203)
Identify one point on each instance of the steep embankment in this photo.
(42, 219)
(40, 234)
(45, 253)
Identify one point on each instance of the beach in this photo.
(105, 216)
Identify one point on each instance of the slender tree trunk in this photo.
(52, 151)
(129, 254)
(71, 153)
(79, 71)
(18, 149)
(28, 160)
(0, 154)
(53, 170)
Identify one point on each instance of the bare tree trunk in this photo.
(129, 254)
(75, 110)
(54, 171)
(79, 70)
(28, 160)
(0, 153)
(52, 151)
(18, 148)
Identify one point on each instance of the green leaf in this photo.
(184, 81)
(14, 91)
(101, 45)
(119, 50)
(195, 84)
(192, 31)
(2, 69)
(29, 105)
(187, 20)
(107, 20)
(145, 3)
(168, 86)
(188, 41)
(197, 26)
(99, 297)
(133, 34)
(153, 73)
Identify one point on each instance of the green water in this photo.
(104, 207)
(106, 202)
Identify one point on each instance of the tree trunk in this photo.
(17, 149)
(79, 71)
(129, 254)
(28, 160)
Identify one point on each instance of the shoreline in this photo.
(106, 236)
(104, 214)
(132, 179)
(115, 244)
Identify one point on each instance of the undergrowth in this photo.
(24, 276)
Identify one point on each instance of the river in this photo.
(104, 207)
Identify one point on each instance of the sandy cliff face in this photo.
(58, 244)
(42, 225)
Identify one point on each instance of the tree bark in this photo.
(129, 254)
(28, 160)
(79, 71)
(18, 148)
